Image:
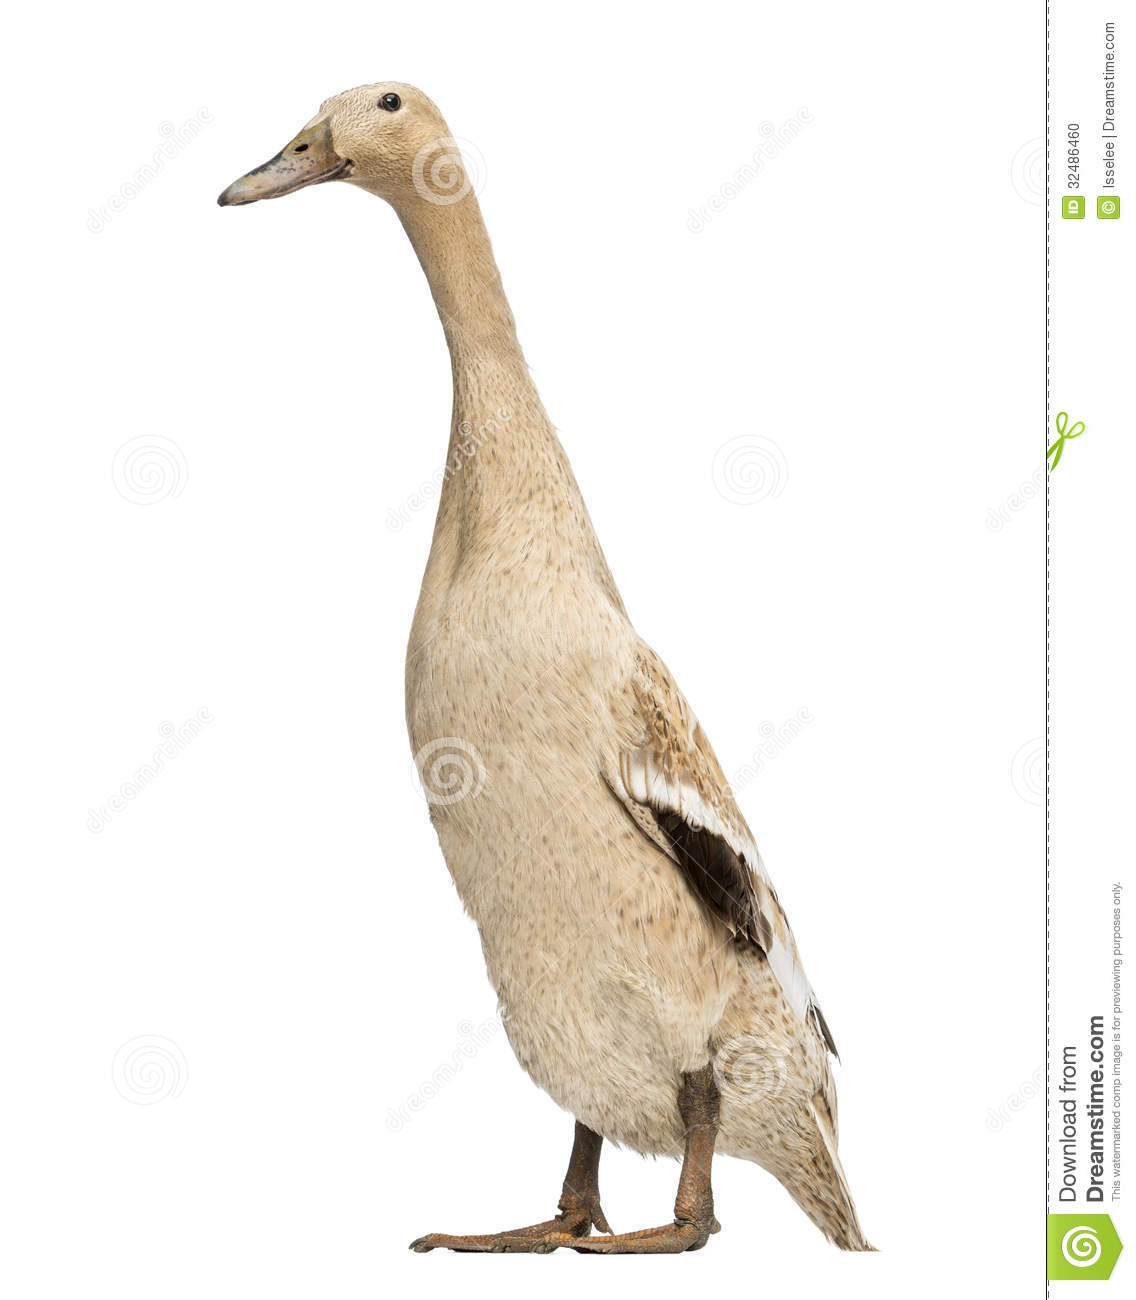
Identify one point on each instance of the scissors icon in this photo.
(1064, 434)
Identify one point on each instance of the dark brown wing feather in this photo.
(718, 876)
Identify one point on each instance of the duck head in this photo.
(388, 138)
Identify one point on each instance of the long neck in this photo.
(508, 487)
(453, 246)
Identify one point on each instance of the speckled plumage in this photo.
(566, 772)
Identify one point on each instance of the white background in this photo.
(274, 904)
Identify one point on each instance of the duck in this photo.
(646, 973)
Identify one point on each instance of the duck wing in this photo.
(670, 781)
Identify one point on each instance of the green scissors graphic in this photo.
(1065, 433)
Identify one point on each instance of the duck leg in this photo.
(694, 1219)
(579, 1210)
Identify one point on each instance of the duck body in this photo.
(646, 972)
(518, 667)
(526, 683)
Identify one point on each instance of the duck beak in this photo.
(306, 160)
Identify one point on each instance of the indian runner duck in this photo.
(646, 972)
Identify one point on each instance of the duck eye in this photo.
(390, 102)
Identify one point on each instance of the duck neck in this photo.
(453, 246)
(504, 460)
